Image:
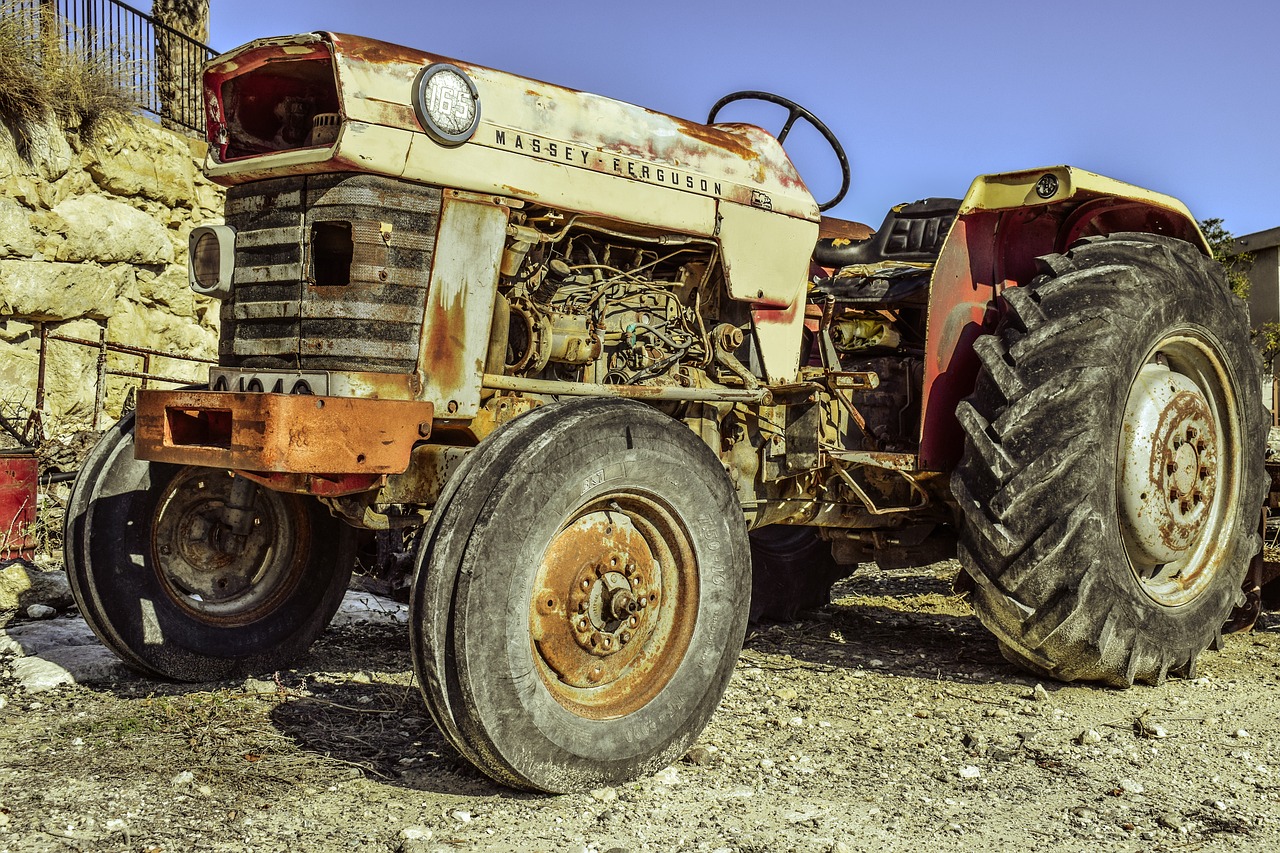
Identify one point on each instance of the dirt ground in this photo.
(888, 721)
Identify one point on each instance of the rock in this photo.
(1129, 786)
(257, 686)
(17, 239)
(787, 694)
(68, 665)
(668, 776)
(604, 795)
(106, 231)
(1088, 737)
(414, 839)
(702, 756)
(140, 159)
(365, 608)
(1172, 820)
(51, 291)
(40, 611)
(1039, 694)
(23, 585)
(461, 816)
(186, 777)
(968, 771)
(1241, 734)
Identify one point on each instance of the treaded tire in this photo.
(512, 540)
(116, 558)
(1063, 574)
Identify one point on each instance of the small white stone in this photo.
(415, 833)
(1242, 734)
(462, 816)
(40, 611)
(186, 777)
(604, 795)
(1131, 787)
(1089, 736)
(670, 776)
(968, 771)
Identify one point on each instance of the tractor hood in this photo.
(324, 102)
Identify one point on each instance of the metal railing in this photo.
(160, 66)
(33, 431)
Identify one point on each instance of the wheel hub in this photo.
(598, 601)
(208, 569)
(1169, 466)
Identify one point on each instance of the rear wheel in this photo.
(581, 596)
(1113, 470)
(792, 569)
(195, 574)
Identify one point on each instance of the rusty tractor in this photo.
(615, 385)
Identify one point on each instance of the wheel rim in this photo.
(614, 605)
(1179, 466)
(214, 576)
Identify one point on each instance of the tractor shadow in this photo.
(906, 622)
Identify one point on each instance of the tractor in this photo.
(614, 385)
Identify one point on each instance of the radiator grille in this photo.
(280, 318)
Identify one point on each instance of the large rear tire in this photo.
(158, 574)
(581, 596)
(1113, 466)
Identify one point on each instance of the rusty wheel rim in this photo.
(614, 605)
(1179, 467)
(208, 574)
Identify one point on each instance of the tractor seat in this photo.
(911, 233)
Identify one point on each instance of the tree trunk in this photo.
(179, 61)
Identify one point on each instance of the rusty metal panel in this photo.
(294, 308)
(464, 284)
(279, 432)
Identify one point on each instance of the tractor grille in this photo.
(331, 273)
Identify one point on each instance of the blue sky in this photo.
(1178, 96)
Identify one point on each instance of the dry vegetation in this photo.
(49, 74)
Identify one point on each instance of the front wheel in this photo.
(195, 574)
(581, 596)
(1113, 468)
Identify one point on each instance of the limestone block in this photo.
(142, 159)
(70, 377)
(100, 229)
(17, 239)
(52, 291)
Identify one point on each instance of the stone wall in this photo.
(93, 238)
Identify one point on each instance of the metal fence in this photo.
(158, 64)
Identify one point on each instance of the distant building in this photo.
(1264, 276)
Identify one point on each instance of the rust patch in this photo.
(282, 433)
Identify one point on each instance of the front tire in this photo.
(581, 596)
(164, 584)
(1113, 464)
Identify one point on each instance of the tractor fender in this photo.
(1005, 222)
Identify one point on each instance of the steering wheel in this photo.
(794, 111)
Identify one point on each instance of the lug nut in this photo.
(624, 637)
(586, 584)
(633, 621)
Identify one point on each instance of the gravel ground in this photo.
(887, 721)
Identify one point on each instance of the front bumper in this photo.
(279, 433)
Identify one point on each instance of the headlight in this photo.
(211, 251)
(447, 103)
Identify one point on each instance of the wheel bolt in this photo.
(583, 624)
(582, 607)
(586, 584)
(166, 550)
(608, 642)
(644, 602)
(624, 637)
(596, 673)
(633, 621)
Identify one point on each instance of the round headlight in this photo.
(447, 103)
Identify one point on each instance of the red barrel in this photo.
(19, 476)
